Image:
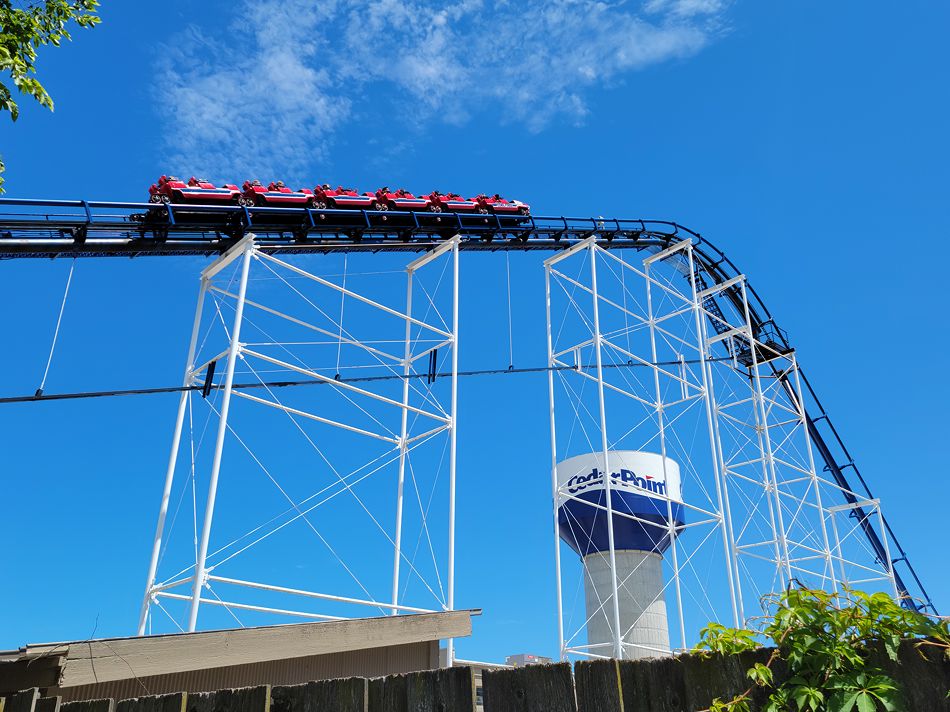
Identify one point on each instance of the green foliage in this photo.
(825, 640)
(738, 704)
(760, 674)
(716, 638)
(22, 31)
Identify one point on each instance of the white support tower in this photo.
(645, 356)
(312, 467)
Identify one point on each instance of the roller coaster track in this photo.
(79, 228)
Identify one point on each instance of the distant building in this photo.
(523, 660)
(478, 668)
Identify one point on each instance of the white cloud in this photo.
(685, 8)
(286, 76)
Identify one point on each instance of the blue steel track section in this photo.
(80, 228)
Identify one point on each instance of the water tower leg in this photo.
(643, 615)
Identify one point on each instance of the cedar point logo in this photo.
(624, 477)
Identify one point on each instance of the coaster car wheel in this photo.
(523, 211)
(320, 204)
(435, 208)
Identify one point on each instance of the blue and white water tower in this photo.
(647, 514)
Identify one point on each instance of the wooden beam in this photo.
(37, 672)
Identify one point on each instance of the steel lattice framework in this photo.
(667, 325)
(339, 446)
(642, 357)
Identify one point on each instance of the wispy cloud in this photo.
(269, 99)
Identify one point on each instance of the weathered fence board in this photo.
(441, 690)
(242, 699)
(923, 673)
(686, 683)
(24, 701)
(388, 694)
(177, 702)
(674, 684)
(89, 706)
(348, 694)
(446, 690)
(598, 686)
(536, 688)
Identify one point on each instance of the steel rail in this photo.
(82, 228)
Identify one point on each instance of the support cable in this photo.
(59, 320)
(311, 382)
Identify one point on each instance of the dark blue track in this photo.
(80, 228)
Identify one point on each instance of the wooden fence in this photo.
(686, 683)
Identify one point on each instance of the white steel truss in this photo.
(364, 394)
(644, 355)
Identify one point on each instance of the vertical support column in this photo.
(187, 381)
(554, 487)
(765, 440)
(887, 552)
(403, 450)
(716, 454)
(233, 351)
(661, 424)
(799, 402)
(605, 447)
(840, 555)
(453, 440)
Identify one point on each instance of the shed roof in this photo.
(75, 663)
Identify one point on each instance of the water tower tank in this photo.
(648, 512)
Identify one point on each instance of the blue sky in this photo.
(808, 140)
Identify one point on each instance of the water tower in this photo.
(620, 526)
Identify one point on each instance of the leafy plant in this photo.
(22, 31)
(826, 640)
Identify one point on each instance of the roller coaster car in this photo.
(496, 204)
(400, 200)
(326, 197)
(276, 194)
(452, 203)
(170, 189)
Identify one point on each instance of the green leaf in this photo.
(865, 702)
(842, 701)
(760, 674)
